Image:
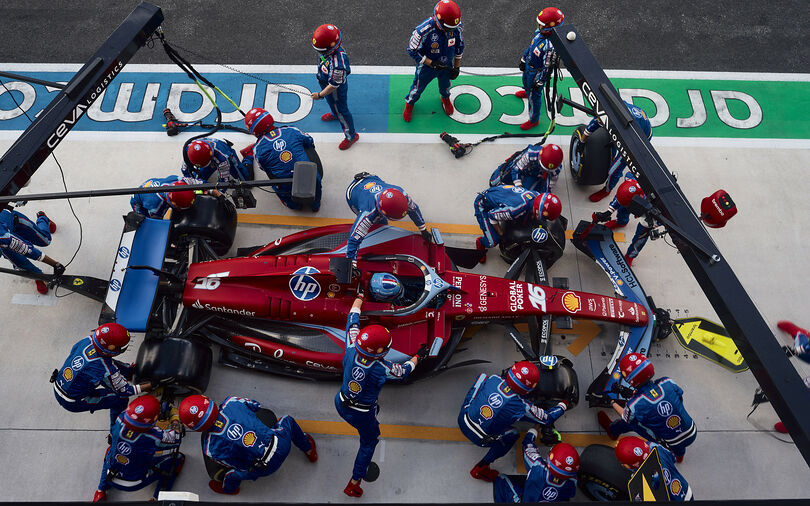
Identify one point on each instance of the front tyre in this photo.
(601, 476)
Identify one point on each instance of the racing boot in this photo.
(598, 195)
(312, 454)
(353, 489)
(780, 427)
(791, 328)
(482, 471)
(629, 260)
(679, 458)
(100, 496)
(604, 422)
(216, 486)
(346, 143)
(480, 247)
(448, 106)
(529, 125)
(52, 225)
(407, 114)
(520, 94)
(41, 287)
(613, 224)
(328, 117)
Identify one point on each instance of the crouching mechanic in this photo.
(632, 451)
(365, 371)
(91, 379)
(655, 410)
(549, 480)
(234, 437)
(491, 407)
(276, 152)
(500, 204)
(624, 195)
(210, 156)
(375, 202)
(155, 205)
(131, 462)
(536, 168)
(19, 237)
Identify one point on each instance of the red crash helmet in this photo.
(111, 339)
(551, 156)
(373, 341)
(548, 18)
(326, 38)
(142, 413)
(523, 377)
(547, 206)
(200, 153)
(258, 121)
(627, 190)
(636, 369)
(563, 461)
(631, 451)
(198, 412)
(180, 199)
(447, 14)
(392, 203)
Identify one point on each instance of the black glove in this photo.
(356, 273)
(165, 381)
(58, 270)
(361, 293)
(522, 66)
(423, 352)
(537, 85)
(454, 73)
(438, 65)
(426, 235)
(549, 436)
(601, 216)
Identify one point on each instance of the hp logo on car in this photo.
(303, 286)
(539, 235)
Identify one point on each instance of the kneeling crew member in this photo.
(552, 480)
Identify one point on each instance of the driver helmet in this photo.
(551, 156)
(198, 412)
(373, 341)
(392, 203)
(180, 199)
(446, 14)
(636, 369)
(547, 206)
(548, 18)
(258, 121)
(200, 153)
(523, 377)
(326, 38)
(385, 287)
(563, 461)
(631, 451)
(142, 413)
(627, 190)
(110, 339)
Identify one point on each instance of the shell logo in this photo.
(354, 387)
(121, 459)
(571, 302)
(673, 421)
(249, 439)
(68, 373)
(486, 411)
(675, 487)
(285, 156)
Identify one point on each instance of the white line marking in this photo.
(29, 299)
(382, 450)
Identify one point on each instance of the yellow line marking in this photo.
(312, 221)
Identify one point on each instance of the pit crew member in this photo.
(276, 152)
(210, 156)
(801, 348)
(535, 168)
(19, 237)
(131, 462)
(617, 164)
(549, 480)
(655, 410)
(537, 63)
(491, 407)
(375, 202)
(436, 45)
(234, 437)
(365, 371)
(91, 379)
(155, 205)
(333, 73)
(632, 451)
(624, 195)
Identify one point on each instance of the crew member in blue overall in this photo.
(537, 63)
(631, 452)
(617, 165)
(549, 480)
(655, 410)
(436, 45)
(492, 406)
(333, 71)
(19, 237)
(210, 156)
(535, 168)
(234, 437)
(155, 205)
(801, 348)
(365, 371)
(131, 462)
(624, 195)
(90, 379)
(276, 152)
(509, 203)
(375, 202)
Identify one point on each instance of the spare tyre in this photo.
(188, 362)
(210, 218)
(590, 161)
(601, 476)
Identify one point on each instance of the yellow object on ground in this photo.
(709, 340)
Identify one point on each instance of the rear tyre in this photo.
(188, 362)
(211, 218)
(590, 162)
(601, 477)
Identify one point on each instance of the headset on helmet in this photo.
(180, 199)
(111, 339)
(547, 206)
(198, 412)
(326, 38)
(636, 369)
(385, 287)
(563, 461)
(627, 190)
(551, 156)
(447, 14)
(373, 341)
(258, 121)
(392, 203)
(200, 153)
(631, 451)
(142, 413)
(523, 377)
(548, 18)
